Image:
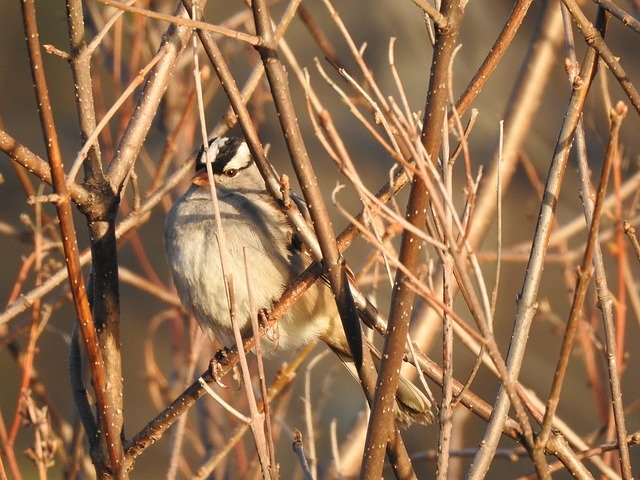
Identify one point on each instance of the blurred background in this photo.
(372, 23)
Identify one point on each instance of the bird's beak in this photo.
(200, 178)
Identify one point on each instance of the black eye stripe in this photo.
(238, 170)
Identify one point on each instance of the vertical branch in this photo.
(8, 452)
(81, 68)
(35, 329)
(410, 249)
(272, 471)
(106, 412)
(101, 213)
(621, 251)
(446, 409)
(584, 276)
(527, 298)
(605, 304)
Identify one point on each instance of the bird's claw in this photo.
(218, 365)
(269, 327)
(263, 318)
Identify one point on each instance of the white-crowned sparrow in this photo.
(252, 221)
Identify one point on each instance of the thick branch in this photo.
(410, 250)
(106, 412)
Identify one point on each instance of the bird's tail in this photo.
(412, 406)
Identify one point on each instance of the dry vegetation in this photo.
(471, 214)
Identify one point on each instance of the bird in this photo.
(258, 237)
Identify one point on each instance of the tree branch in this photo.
(34, 164)
(106, 412)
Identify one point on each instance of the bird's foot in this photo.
(219, 365)
(263, 318)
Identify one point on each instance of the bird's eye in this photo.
(232, 172)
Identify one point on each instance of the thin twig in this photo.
(298, 449)
(186, 22)
(308, 412)
(266, 408)
(494, 293)
(595, 40)
(446, 408)
(631, 233)
(626, 18)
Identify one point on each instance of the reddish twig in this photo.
(34, 164)
(35, 329)
(8, 451)
(497, 51)
(106, 412)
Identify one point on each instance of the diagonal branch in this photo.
(585, 273)
(596, 41)
(527, 298)
(497, 51)
(34, 164)
(333, 262)
(626, 18)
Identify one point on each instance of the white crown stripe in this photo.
(241, 159)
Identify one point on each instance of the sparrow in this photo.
(258, 237)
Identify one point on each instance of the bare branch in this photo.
(109, 417)
(186, 22)
(595, 40)
(34, 164)
(137, 129)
